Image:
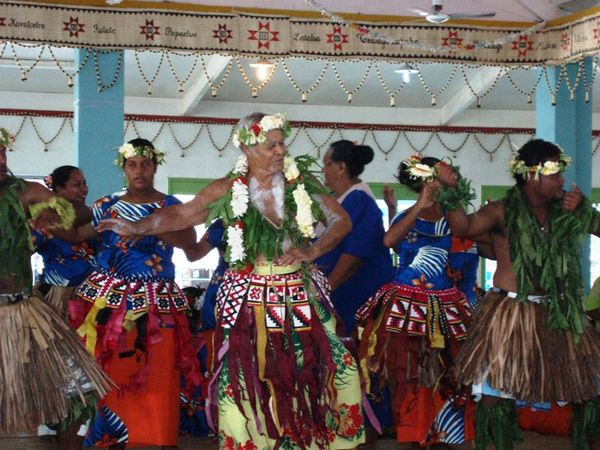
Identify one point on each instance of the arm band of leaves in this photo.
(460, 196)
(63, 208)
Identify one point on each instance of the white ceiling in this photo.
(48, 78)
(506, 10)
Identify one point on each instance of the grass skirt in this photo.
(511, 347)
(58, 298)
(44, 369)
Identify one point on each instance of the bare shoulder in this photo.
(34, 193)
(215, 190)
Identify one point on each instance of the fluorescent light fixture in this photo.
(262, 68)
(405, 69)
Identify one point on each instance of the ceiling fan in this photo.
(437, 14)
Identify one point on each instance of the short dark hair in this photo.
(405, 178)
(355, 156)
(60, 176)
(534, 152)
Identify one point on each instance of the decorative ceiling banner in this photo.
(247, 34)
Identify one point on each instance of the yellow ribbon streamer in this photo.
(87, 329)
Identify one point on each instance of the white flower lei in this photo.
(239, 205)
(419, 171)
(517, 166)
(127, 150)
(257, 133)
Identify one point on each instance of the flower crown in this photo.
(419, 171)
(257, 133)
(6, 138)
(129, 151)
(518, 167)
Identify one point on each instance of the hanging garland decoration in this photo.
(358, 87)
(304, 92)
(182, 82)
(478, 96)
(25, 72)
(201, 125)
(254, 89)
(149, 82)
(527, 95)
(101, 85)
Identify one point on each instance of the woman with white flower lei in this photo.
(282, 377)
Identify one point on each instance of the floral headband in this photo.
(6, 138)
(129, 151)
(518, 167)
(419, 171)
(257, 133)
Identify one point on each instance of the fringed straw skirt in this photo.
(44, 369)
(409, 335)
(284, 379)
(58, 298)
(511, 348)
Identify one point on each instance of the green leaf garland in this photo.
(15, 239)
(549, 262)
(260, 236)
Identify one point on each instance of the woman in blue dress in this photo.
(66, 264)
(410, 330)
(360, 264)
(132, 315)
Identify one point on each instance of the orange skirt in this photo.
(557, 421)
(152, 414)
(417, 418)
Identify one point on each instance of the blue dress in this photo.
(132, 316)
(410, 332)
(215, 238)
(365, 241)
(65, 263)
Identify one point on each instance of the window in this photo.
(198, 272)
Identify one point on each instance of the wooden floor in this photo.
(533, 441)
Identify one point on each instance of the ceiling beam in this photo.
(214, 67)
(480, 82)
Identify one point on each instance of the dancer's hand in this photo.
(572, 199)
(447, 174)
(427, 196)
(121, 227)
(295, 256)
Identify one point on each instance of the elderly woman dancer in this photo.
(283, 380)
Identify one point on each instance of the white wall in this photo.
(202, 160)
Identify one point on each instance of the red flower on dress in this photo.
(227, 442)
(229, 391)
(351, 420)
(348, 361)
(247, 446)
